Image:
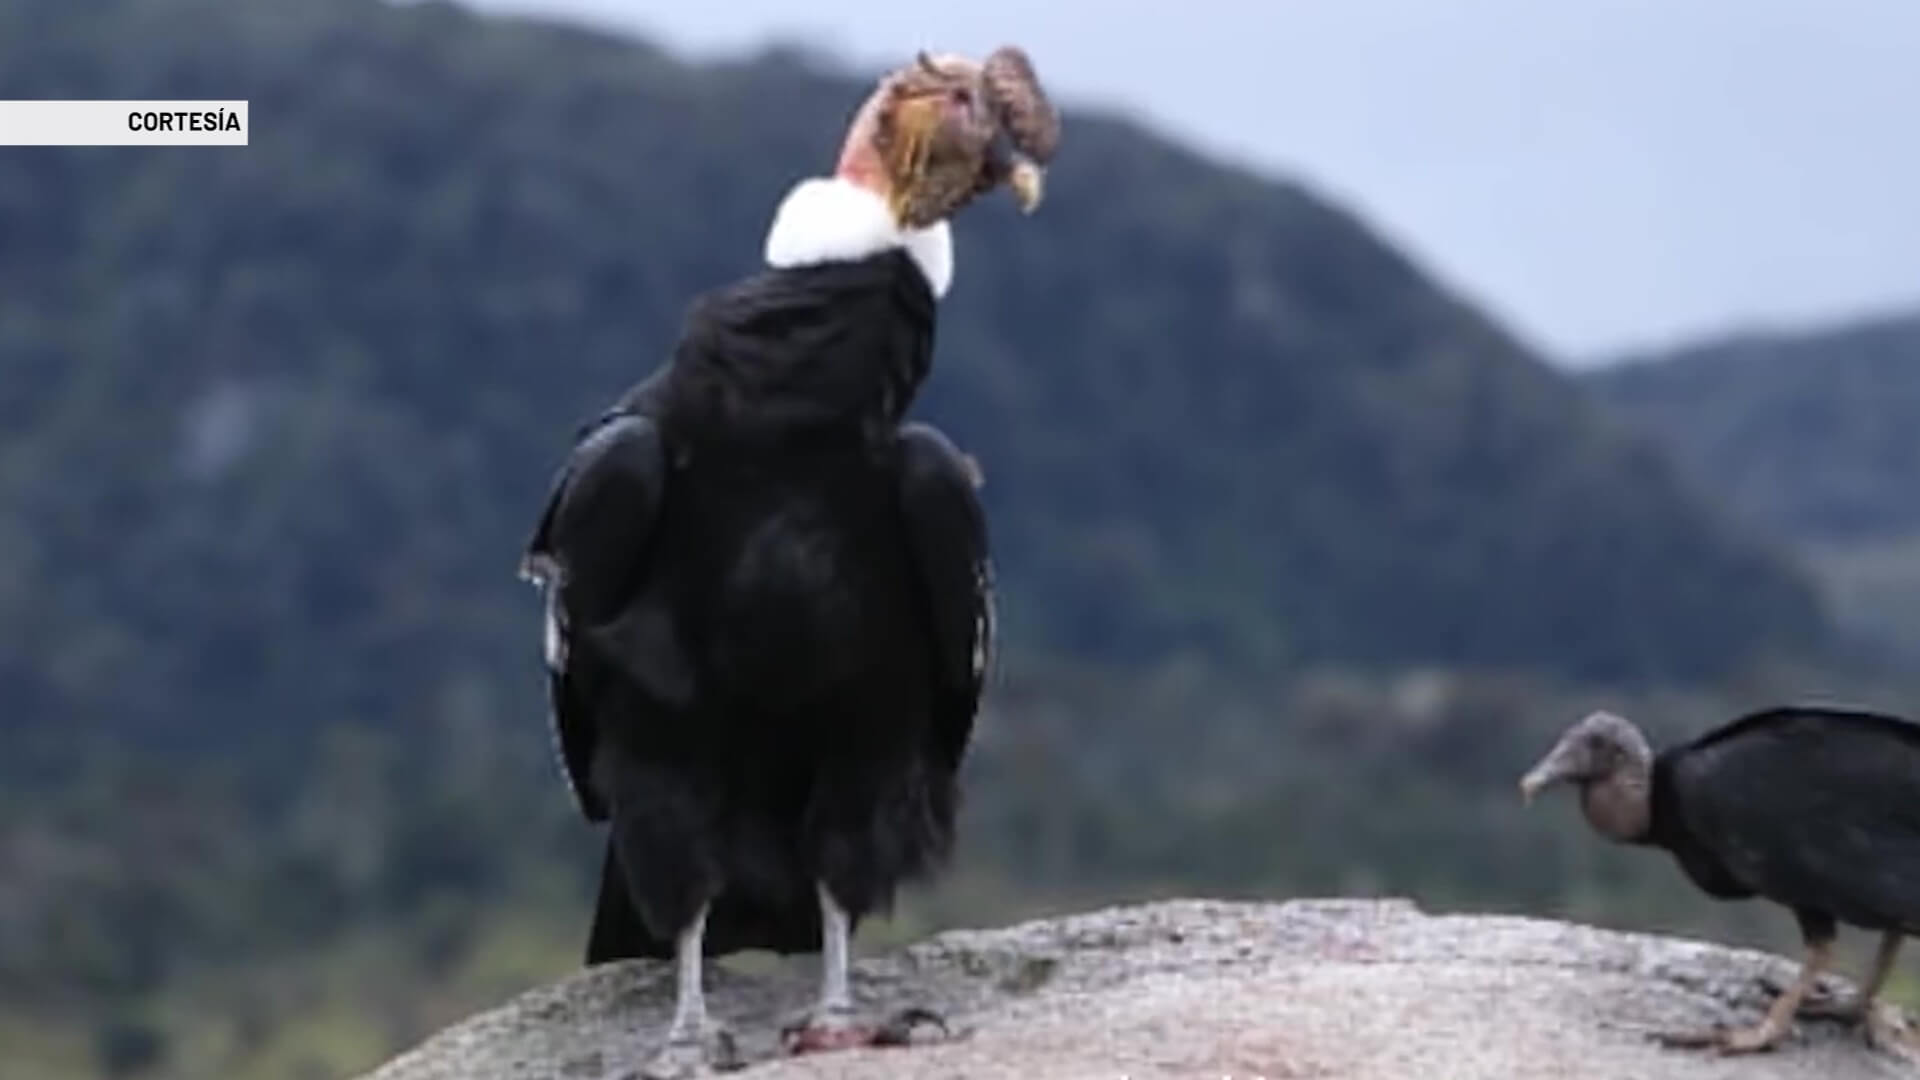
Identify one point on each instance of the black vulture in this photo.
(1816, 808)
(768, 596)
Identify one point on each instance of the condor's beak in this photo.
(1028, 182)
(1025, 177)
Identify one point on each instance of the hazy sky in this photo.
(1600, 173)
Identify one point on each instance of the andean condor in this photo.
(768, 599)
(1815, 808)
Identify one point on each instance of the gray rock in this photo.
(1359, 990)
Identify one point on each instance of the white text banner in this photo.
(123, 123)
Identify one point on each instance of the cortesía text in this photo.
(184, 120)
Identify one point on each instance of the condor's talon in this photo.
(816, 1033)
(899, 1028)
(829, 1031)
(696, 1054)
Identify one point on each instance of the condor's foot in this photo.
(697, 1052)
(835, 1029)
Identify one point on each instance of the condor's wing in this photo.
(587, 554)
(947, 528)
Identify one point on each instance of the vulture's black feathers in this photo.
(1814, 808)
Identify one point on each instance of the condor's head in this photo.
(944, 130)
(932, 137)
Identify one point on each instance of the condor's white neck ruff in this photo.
(828, 219)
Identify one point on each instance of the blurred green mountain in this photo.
(1812, 435)
(274, 422)
(277, 418)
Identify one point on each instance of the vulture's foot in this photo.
(1757, 1039)
(822, 1031)
(686, 1055)
(1859, 1015)
(1850, 1011)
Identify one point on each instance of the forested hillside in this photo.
(1813, 436)
(301, 399)
(274, 422)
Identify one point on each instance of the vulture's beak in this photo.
(1557, 767)
(1530, 786)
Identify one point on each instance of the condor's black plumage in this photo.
(1814, 808)
(771, 615)
(768, 600)
(789, 363)
(793, 354)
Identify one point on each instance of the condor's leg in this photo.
(1858, 1009)
(1818, 930)
(659, 888)
(695, 1045)
(835, 1022)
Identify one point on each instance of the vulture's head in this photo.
(945, 129)
(1608, 759)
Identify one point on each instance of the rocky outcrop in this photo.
(1357, 990)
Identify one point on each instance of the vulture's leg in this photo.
(834, 1022)
(695, 1045)
(1770, 1030)
(1858, 1009)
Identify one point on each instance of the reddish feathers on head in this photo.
(943, 130)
